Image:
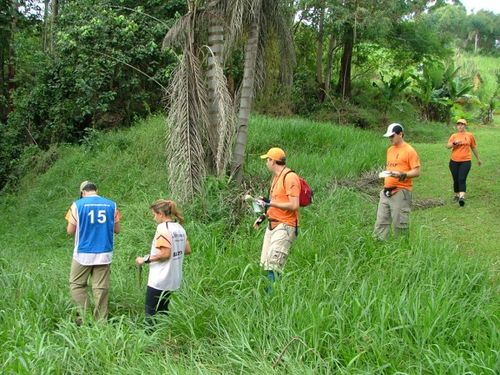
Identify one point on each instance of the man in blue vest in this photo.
(93, 220)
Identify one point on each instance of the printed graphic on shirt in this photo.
(96, 221)
(167, 275)
(94, 218)
(402, 158)
(462, 151)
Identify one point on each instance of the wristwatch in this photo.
(146, 259)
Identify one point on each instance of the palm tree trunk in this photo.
(247, 94)
(216, 45)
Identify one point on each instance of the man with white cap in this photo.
(93, 220)
(282, 213)
(403, 164)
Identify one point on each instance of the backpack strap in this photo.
(286, 174)
(296, 221)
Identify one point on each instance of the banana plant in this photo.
(436, 88)
(392, 89)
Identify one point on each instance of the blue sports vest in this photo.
(96, 222)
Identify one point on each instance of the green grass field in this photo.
(471, 229)
(346, 304)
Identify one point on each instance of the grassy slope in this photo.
(352, 305)
(471, 229)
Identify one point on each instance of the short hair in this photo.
(90, 187)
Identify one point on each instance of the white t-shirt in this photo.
(167, 275)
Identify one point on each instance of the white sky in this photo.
(492, 5)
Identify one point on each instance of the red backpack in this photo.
(306, 194)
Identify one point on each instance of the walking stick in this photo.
(139, 275)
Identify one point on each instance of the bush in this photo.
(97, 75)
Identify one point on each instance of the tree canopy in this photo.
(70, 68)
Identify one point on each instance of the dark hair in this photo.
(397, 129)
(90, 187)
(281, 162)
(167, 208)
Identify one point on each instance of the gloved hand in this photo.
(402, 176)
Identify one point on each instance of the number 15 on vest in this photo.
(100, 217)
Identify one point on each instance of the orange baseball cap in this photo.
(275, 153)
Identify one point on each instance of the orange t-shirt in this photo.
(462, 152)
(401, 158)
(280, 191)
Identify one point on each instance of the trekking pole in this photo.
(139, 275)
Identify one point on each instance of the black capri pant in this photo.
(157, 301)
(459, 170)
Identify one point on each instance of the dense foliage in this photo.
(68, 68)
(103, 68)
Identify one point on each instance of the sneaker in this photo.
(461, 202)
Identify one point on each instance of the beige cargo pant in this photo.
(276, 246)
(78, 281)
(395, 211)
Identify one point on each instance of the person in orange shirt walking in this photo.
(282, 213)
(403, 164)
(461, 143)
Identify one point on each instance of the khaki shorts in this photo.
(276, 247)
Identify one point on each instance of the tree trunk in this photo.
(476, 41)
(11, 65)
(216, 45)
(53, 20)
(46, 25)
(332, 45)
(319, 54)
(344, 84)
(247, 94)
(3, 111)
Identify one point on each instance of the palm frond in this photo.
(187, 118)
(225, 130)
(235, 12)
(263, 40)
(177, 35)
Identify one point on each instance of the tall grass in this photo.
(346, 304)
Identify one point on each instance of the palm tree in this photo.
(200, 114)
(266, 18)
(187, 116)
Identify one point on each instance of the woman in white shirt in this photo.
(166, 257)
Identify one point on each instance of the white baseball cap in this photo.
(394, 128)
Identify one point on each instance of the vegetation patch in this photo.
(369, 185)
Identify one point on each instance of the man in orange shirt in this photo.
(461, 143)
(282, 213)
(403, 164)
